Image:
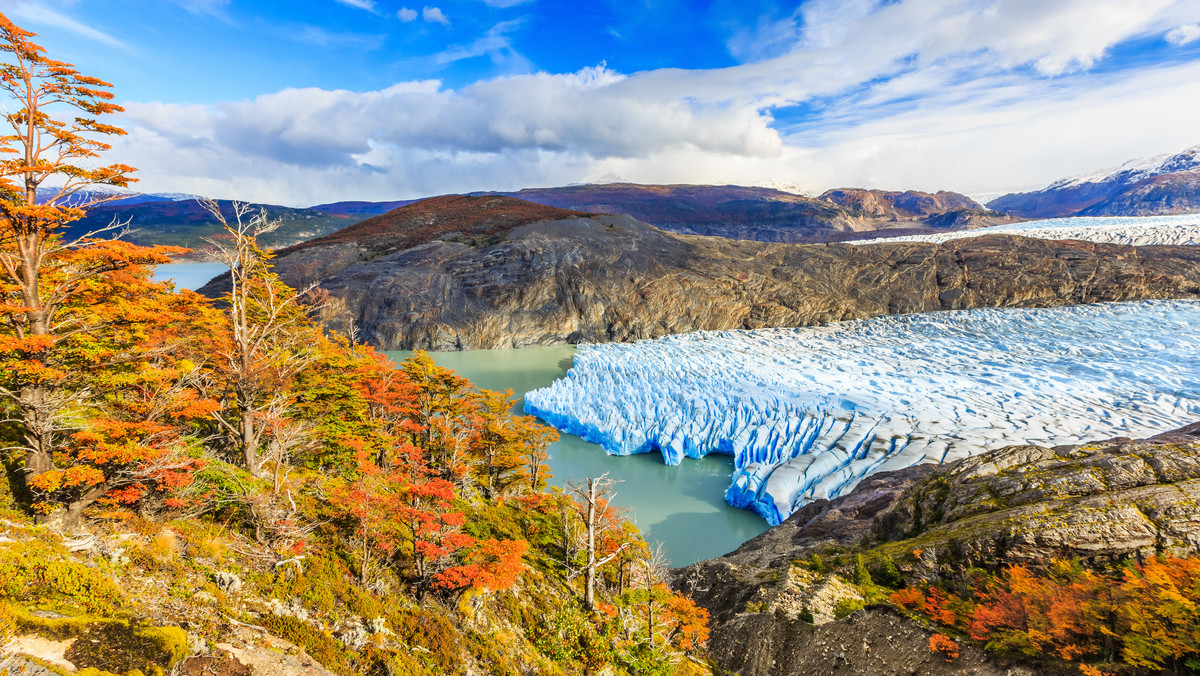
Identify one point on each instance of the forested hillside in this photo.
(193, 484)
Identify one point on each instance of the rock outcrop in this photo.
(478, 283)
(1098, 503)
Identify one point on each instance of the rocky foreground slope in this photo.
(1098, 503)
(484, 279)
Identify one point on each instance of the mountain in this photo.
(1162, 185)
(363, 209)
(125, 198)
(186, 223)
(466, 272)
(768, 214)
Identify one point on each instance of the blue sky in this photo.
(319, 100)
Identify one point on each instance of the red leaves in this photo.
(1148, 616)
(687, 622)
(494, 565)
(909, 598)
(944, 646)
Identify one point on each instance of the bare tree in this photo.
(652, 569)
(592, 504)
(271, 337)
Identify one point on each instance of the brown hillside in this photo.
(427, 220)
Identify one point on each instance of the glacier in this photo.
(807, 413)
(1181, 229)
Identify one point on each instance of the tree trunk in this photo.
(589, 595)
(36, 413)
(69, 519)
(249, 441)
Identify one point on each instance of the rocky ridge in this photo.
(589, 278)
(770, 215)
(1098, 503)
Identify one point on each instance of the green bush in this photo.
(846, 607)
(36, 572)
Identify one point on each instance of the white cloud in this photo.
(40, 14)
(931, 94)
(405, 14)
(1184, 34)
(213, 7)
(434, 15)
(368, 5)
(321, 36)
(495, 43)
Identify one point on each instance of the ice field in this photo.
(807, 413)
(1136, 231)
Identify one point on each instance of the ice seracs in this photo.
(807, 413)
(1183, 229)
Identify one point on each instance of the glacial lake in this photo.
(189, 275)
(683, 507)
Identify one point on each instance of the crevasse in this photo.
(807, 413)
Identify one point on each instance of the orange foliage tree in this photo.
(1148, 615)
(56, 339)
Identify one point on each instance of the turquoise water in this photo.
(683, 507)
(189, 275)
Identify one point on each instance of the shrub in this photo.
(34, 572)
(943, 645)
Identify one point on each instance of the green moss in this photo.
(320, 645)
(111, 644)
(846, 607)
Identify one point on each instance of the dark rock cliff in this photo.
(613, 278)
(1099, 503)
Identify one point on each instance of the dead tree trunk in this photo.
(592, 504)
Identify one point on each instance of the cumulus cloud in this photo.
(1184, 34)
(405, 14)
(435, 15)
(954, 94)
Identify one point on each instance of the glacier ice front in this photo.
(1179, 229)
(807, 413)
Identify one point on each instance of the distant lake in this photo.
(189, 275)
(682, 507)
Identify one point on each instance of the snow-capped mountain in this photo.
(125, 197)
(1155, 186)
(1136, 170)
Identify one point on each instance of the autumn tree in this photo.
(599, 519)
(269, 337)
(64, 304)
(509, 450)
